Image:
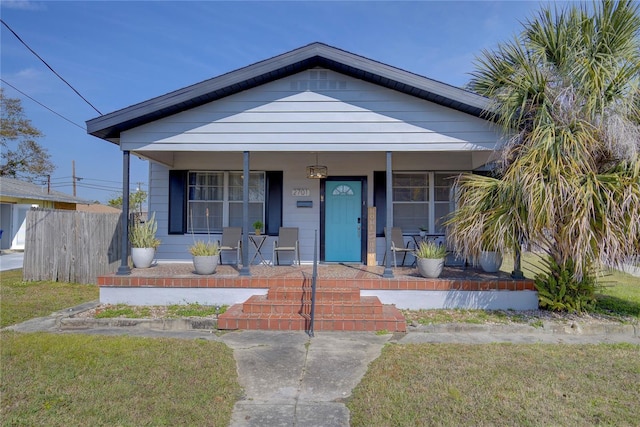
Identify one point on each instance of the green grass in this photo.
(63, 380)
(20, 301)
(167, 312)
(122, 310)
(618, 294)
(499, 384)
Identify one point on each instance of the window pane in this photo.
(256, 186)
(197, 217)
(206, 185)
(410, 179)
(442, 194)
(444, 179)
(410, 216)
(411, 187)
(235, 213)
(441, 210)
(443, 183)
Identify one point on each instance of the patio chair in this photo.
(231, 241)
(397, 245)
(287, 242)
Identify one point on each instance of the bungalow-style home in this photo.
(17, 197)
(324, 135)
(320, 140)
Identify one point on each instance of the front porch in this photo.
(348, 297)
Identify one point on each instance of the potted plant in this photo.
(490, 260)
(257, 226)
(205, 256)
(430, 258)
(142, 236)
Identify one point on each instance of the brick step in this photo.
(391, 319)
(322, 294)
(263, 304)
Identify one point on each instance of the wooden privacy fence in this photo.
(71, 246)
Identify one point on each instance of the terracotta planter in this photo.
(430, 267)
(490, 262)
(142, 257)
(205, 264)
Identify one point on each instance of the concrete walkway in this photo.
(290, 379)
(11, 260)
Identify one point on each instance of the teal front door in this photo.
(343, 221)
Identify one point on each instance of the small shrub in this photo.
(558, 290)
(201, 248)
(143, 235)
(430, 250)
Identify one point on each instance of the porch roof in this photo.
(109, 126)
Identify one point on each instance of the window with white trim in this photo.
(422, 199)
(220, 194)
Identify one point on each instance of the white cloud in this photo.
(23, 5)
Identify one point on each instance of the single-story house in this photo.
(324, 135)
(17, 197)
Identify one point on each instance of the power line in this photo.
(48, 66)
(41, 104)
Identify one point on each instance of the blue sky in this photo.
(118, 53)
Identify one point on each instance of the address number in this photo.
(300, 192)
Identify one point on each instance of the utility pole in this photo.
(73, 173)
(48, 184)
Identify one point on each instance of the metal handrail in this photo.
(314, 277)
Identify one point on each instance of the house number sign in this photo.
(300, 192)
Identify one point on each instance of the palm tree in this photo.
(566, 95)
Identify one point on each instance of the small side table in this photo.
(257, 242)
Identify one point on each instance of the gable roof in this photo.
(109, 126)
(10, 187)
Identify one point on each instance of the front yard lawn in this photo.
(500, 384)
(20, 301)
(73, 380)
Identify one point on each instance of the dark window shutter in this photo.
(380, 200)
(273, 209)
(177, 202)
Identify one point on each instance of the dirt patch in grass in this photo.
(504, 317)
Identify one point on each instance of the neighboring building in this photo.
(16, 198)
(313, 105)
(97, 208)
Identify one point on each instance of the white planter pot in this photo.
(490, 262)
(430, 267)
(205, 264)
(142, 257)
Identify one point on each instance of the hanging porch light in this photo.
(316, 171)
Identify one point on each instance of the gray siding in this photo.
(174, 247)
(339, 113)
